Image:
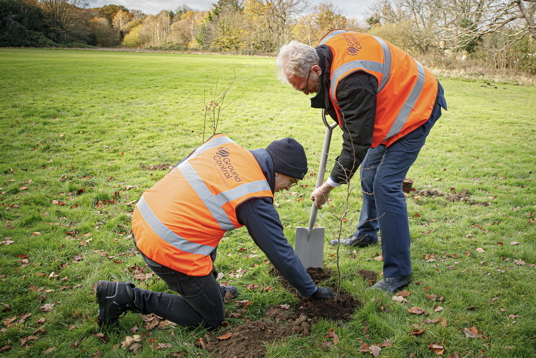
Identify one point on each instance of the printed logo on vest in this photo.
(222, 152)
(225, 165)
(354, 46)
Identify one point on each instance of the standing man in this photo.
(178, 223)
(385, 103)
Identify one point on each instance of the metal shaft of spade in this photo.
(321, 168)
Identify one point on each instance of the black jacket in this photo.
(262, 221)
(357, 97)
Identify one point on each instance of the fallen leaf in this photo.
(472, 332)
(28, 339)
(200, 343)
(285, 306)
(444, 322)
(225, 336)
(428, 320)
(439, 350)
(134, 329)
(480, 250)
(102, 337)
(513, 316)
(50, 350)
(375, 350)
(36, 233)
(403, 293)
(520, 262)
(417, 332)
(399, 299)
(163, 346)
(514, 243)
(427, 288)
(5, 349)
(23, 317)
(468, 253)
(47, 307)
(416, 310)
(130, 340)
(332, 334)
(438, 309)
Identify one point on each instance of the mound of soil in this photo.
(248, 340)
(452, 197)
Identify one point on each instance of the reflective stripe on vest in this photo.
(169, 236)
(213, 203)
(384, 68)
(395, 121)
(408, 106)
(182, 218)
(330, 35)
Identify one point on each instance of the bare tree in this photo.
(214, 104)
(279, 16)
(62, 14)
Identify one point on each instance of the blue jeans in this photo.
(384, 205)
(199, 302)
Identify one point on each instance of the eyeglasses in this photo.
(307, 82)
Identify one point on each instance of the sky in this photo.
(352, 8)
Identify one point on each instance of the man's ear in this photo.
(317, 69)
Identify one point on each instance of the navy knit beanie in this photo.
(289, 157)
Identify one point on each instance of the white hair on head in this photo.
(296, 59)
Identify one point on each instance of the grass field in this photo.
(80, 128)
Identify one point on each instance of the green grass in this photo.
(76, 127)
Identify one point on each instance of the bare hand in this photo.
(321, 195)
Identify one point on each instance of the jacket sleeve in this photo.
(356, 94)
(263, 224)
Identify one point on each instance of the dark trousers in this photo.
(384, 205)
(199, 303)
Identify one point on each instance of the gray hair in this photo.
(295, 59)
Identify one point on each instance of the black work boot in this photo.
(392, 284)
(229, 288)
(114, 299)
(356, 241)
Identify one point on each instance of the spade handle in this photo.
(322, 167)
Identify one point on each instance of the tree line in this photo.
(500, 31)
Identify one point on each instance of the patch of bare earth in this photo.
(248, 340)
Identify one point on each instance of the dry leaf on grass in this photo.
(399, 299)
(417, 332)
(375, 350)
(101, 336)
(472, 332)
(47, 307)
(439, 350)
(28, 339)
(130, 340)
(50, 350)
(332, 334)
(404, 293)
(416, 310)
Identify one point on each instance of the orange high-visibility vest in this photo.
(406, 92)
(180, 221)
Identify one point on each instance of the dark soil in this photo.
(452, 197)
(248, 340)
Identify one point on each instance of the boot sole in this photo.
(102, 288)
